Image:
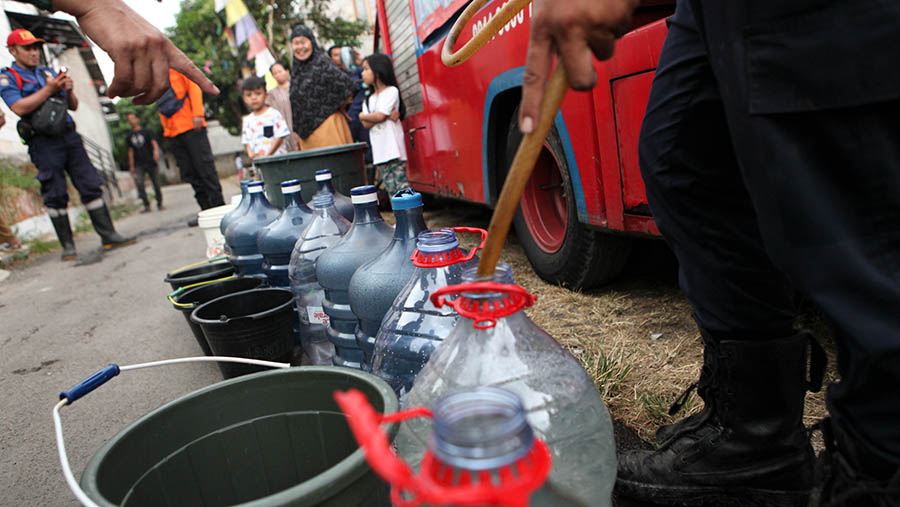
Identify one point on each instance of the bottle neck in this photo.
(292, 199)
(326, 186)
(481, 428)
(410, 223)
(366, 213)
(258, 199)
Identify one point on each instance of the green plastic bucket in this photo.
(267, 439)
(346, 163)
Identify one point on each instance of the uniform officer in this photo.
(771, 157)
(25, 86)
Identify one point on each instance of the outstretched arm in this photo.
(142, 54)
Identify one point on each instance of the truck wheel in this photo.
(560, 248)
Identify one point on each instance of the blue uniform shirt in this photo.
(32, 81)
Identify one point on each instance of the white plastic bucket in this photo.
(209, 220)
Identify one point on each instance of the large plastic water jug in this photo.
(367, 237)
(496, 344)
(277, 240)
(343, 203)
(326, 228)
(376, 284)
(414, 328)
(238, 210)
(482, 451)
(241, 235)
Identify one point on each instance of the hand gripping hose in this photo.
(437, 484)
(530, 147)
(99, 378)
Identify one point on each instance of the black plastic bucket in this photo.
(199, 274)
(192, 298)
(256, 324)
(271, 439)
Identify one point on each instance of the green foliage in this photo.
(199, 32)
(40, 246)
(149, 117)
(15, 175)
(658, 404)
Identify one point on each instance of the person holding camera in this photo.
(40, 97)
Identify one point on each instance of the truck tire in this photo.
(561, 249)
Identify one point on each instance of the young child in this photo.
(385, 131)
(264, 129)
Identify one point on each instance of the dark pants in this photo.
(151, 170)
(197, 167)
(54, 156)
(771, 157)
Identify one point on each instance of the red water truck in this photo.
(586, 200)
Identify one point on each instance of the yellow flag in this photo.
(234, 11)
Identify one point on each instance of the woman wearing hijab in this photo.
(319, 90)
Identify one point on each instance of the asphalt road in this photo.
(60, 322)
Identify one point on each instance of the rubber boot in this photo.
(64, 233)
(104, 227)
(847, 476)
(748, 446)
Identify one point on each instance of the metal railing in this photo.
(103, 161)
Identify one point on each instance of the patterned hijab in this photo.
(318, 87)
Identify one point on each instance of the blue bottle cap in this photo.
(323, 174)
(255, 184)
(406, 198)
(362, 190)
(290, 186)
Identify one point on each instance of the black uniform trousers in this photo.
(54, 156)
(770, 150)
(197, 167)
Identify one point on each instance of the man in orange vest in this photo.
(186, 128)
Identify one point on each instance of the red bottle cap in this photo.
(439, 259)
(484, 313)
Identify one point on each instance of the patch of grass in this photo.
(123, 210)
(657, 405)
(15, 175)
(83, 224)
(41, 246)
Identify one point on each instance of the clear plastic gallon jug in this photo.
(482, 451)
(343, 203)
(496, 344)
(238, 210)
(414, 328)
(326, 228)
(277, 240)
(376, 284)
(241, 235)
(367, 237)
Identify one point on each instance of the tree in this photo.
(200, 33)
(118, 130)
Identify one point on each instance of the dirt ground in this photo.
(635, 336)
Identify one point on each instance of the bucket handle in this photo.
(102, 376)
(207, 261)
(179, 290)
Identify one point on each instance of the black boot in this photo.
(846, 476)
(64, 233)
(748, 446)
(104, 227)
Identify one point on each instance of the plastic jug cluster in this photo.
(242, 234)
(367, 237)
(277, 240)
(376, 284)
(496, 344)
(238, 210)
(414, 327)
(326, 229)
(343, 203)
(482, 451)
